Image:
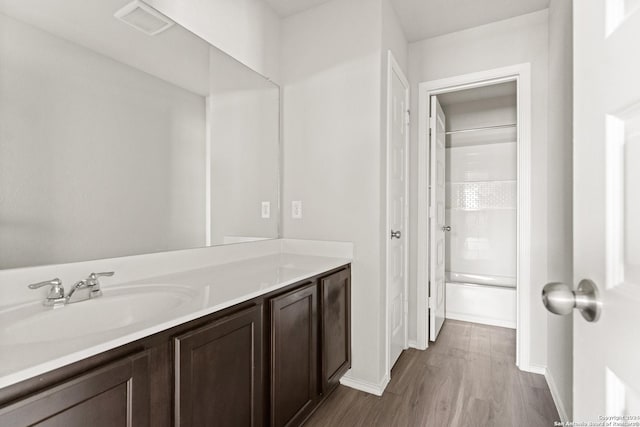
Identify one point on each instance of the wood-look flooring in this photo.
(467, 378)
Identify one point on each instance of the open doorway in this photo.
(474, 231)
(474, 234)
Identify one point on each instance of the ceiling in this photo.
(290, 7)
(423, 19)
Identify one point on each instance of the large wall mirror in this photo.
(122, 133)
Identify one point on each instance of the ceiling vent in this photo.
(143, 18)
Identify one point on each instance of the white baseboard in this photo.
(562, 411)
(366, 386)
(534, 369)
(555, 395)
(480, 319)
(414, 344)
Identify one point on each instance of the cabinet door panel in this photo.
(116, 395)
(294, 323)
(219, 372)
(335, 301)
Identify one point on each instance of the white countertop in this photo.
(212, 289)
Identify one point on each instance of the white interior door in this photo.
(397, 151)
(437, 219)
(607, 205)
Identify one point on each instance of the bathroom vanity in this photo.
(269, 359)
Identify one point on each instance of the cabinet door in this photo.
(115, 395)
(294, 348)
(335, 303)
(218, 370)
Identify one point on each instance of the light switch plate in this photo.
(266, 210)
(296, 209)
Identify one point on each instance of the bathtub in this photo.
(490, 300)
(481, 279)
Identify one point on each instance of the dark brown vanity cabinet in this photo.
(310, 345)
(335, 328)
(269, 361)
(294, 355)
(116, 395)
(218, 372)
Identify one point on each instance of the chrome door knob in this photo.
(558, 298)
(446, 228)
(396, 234)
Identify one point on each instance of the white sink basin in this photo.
(118, 307)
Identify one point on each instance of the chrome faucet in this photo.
(82, 290)
(87, 288)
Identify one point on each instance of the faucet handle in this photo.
(94, 283)
(94, 276)
(57, 290)
(53, 283)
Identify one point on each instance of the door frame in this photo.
(521, 74)
(394, 67)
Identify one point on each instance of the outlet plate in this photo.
(266, 210)
(296, 209)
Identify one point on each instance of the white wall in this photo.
(331, 86)
(513, 41)
(393, 37)
(127, 167)
(560, 224)
(244, 161)
(248, 30)
(334, 88)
